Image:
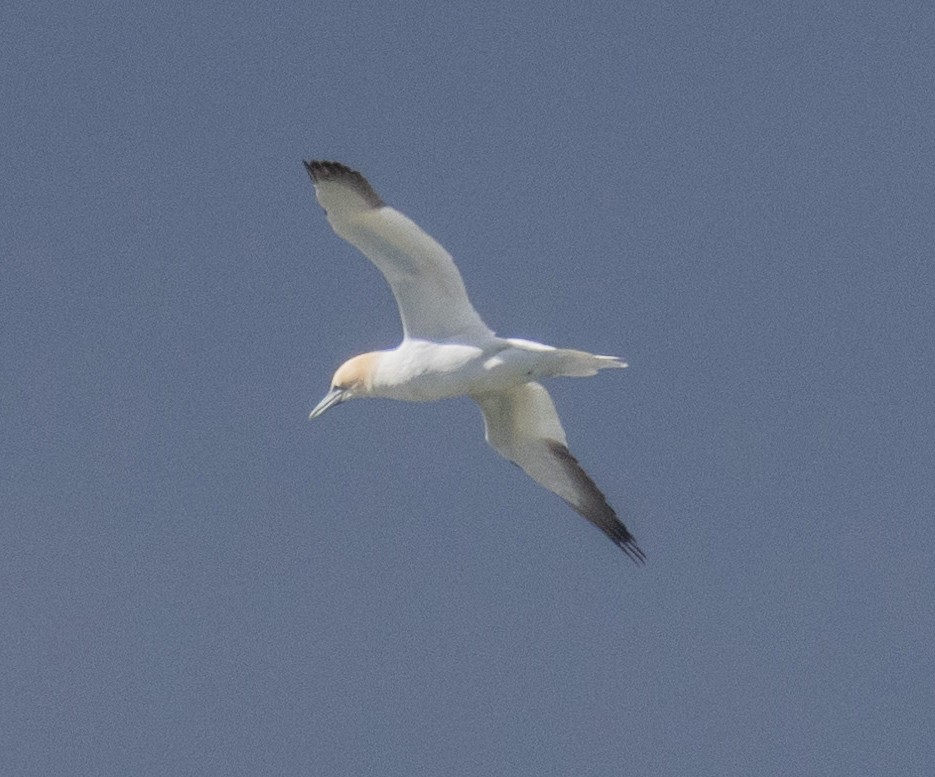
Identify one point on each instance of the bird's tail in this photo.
(581, 364)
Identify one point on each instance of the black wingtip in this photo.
(593, 505)
(634, 551)
(622, 538)
(321, 170)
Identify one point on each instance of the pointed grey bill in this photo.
(334, 397)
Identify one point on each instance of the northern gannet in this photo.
(448, 351)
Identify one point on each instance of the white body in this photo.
(423, 371)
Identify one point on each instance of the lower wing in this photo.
(521, 425)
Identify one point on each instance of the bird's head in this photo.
(353, 379)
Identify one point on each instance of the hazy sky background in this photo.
(736, 197)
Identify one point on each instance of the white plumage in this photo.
(448, 351)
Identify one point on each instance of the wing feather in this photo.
(430, 293)
(522, 425)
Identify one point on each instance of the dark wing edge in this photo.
(594, 506)
(320, 171)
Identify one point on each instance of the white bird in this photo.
(448, 351)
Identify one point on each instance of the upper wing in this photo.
(429, 291)
(522, 425)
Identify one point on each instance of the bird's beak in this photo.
(334, 397)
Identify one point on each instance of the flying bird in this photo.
(448, 351)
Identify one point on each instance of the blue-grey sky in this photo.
(738, 198)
